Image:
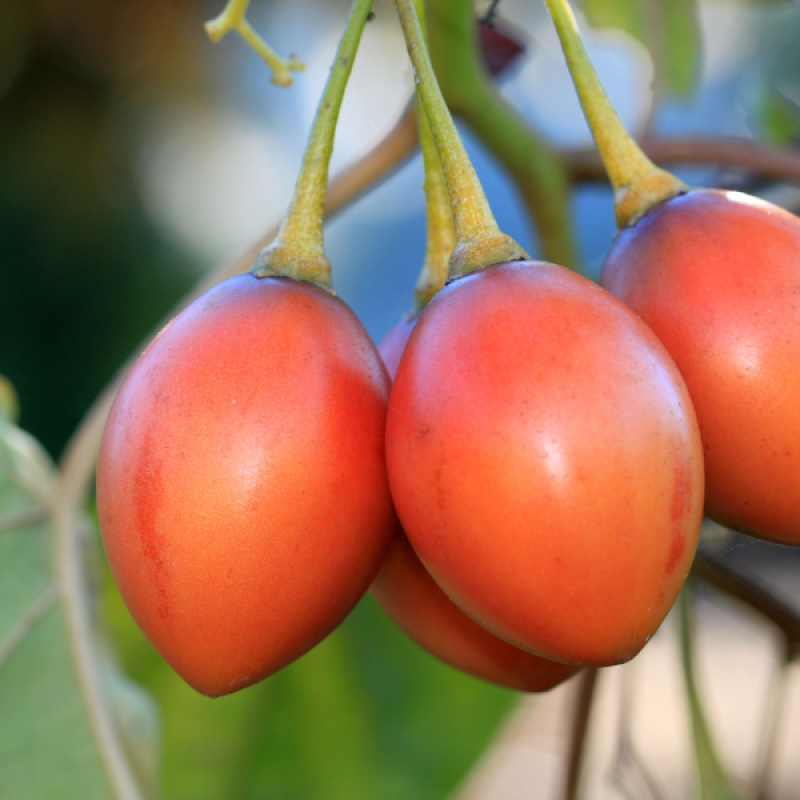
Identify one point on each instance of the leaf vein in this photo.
(20, 519)
(26, 622)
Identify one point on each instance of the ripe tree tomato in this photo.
(545, 462)
(716, 275)
(409, 595)
(241, 487)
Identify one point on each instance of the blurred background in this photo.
(135, 155)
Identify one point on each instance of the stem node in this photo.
(232, 18)
(479, 241)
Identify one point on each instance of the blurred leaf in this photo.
(9, 402)
(682, 46)
(669, 29)
(625, 15)
(779, 118)
(47, 743)
(15, 40)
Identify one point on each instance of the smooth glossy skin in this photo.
(716, 275)
(545, 462)
(409, 595)
(241, 487)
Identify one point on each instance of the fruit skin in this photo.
(241, 486)
(716, 275)
(412, 599)
(409, 595)
(545, 463)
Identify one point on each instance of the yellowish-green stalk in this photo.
(440, 235)
(531, 163)
(297, 251)
(638, 183)
(479, 241)
(232, 18)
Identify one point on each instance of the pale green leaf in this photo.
(682, 45)
(49, 747)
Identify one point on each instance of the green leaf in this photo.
(624, 15)
(669, 29)
(682, 46)
(779, 118)
(49, 746)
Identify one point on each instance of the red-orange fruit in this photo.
(716, 275)
(241, 486)
(545, 462)
(413, 600)
(409, 595)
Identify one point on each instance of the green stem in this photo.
(232, 18)
(297, 251)
(440, 237)
(538, 171)
(479, 242)
(638, 183)
(714, 783)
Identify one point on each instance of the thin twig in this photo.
(766, 161)
(69, 496)
(722, 577)
(580, 727)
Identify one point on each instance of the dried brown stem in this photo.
(761, 159)
(722, 577)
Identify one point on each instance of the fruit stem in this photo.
(440, 236)
(232, 18)
(479, 241)
(297, 251)
(536, 169)
(638, 183)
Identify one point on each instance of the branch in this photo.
(764, 160)
(722, 577)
